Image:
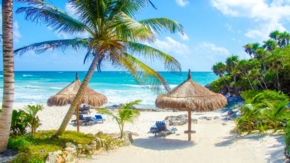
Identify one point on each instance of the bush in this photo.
(18, 123)
(22, 119)
(218, 85)
(266, 110)
(248, 95)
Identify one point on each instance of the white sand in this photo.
(212, 141)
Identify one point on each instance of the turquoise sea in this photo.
(118, 86)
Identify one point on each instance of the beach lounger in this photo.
(84, 110)
(82, 120)
(94, 120)
(162, 127)
(99, 118)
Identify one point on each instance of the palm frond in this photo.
(54, 44)
(143, 73)
(158, 25)
(54, 17)
(130, 104)
(126, 28)
(91, 12)
(170, 63)
(107, 112)
(129, 7)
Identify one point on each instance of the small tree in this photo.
(31, 117)
(125, 114)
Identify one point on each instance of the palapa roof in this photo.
(191, 95)
(67, 95)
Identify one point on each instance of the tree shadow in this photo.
(158, 143)
(276, 151)
(234, 138)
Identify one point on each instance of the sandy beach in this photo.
(212, 142)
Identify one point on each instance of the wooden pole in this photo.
(189, 124)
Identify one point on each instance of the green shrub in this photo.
(21, 119)
(269, 95)
(219, 84)
(18, 122)
(248, 95)
(263, 111)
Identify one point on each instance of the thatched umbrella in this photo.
(67, 95)
(189, 95)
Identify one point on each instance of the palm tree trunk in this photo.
(278, 82)
(226, 84)
(122, 130)
(260, 84)
(78, 98)
(249, 81)
(8, 71)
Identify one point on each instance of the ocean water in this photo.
(119, 87)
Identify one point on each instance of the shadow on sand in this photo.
(276, 151)
(158, 143)
(234, 138)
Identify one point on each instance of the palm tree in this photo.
(219, 69)
(284, 39)
(275, 62)
(251, 49)
(32, 118)
(231, 62)
(114, 37)
(244, 66)
(8, 72)
(270, 45)
(125, 114)
(274, 35)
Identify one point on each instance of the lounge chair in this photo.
(82, 120)
(162, 127)
(99, 118)
(85, 109)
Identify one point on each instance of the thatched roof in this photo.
(191, 95)
(67, 95)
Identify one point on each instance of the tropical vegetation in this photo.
(114, 37)
(263, 82)
(126, 113)
(267, 69)
(23, 119)
(262, 111)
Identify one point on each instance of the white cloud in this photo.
(16, 33)
(184, 36)
(269, 16)
(204, 56)
(210, 50)
(264, 30)
(169, 45)
(182, 2)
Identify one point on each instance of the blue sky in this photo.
(214, 30)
